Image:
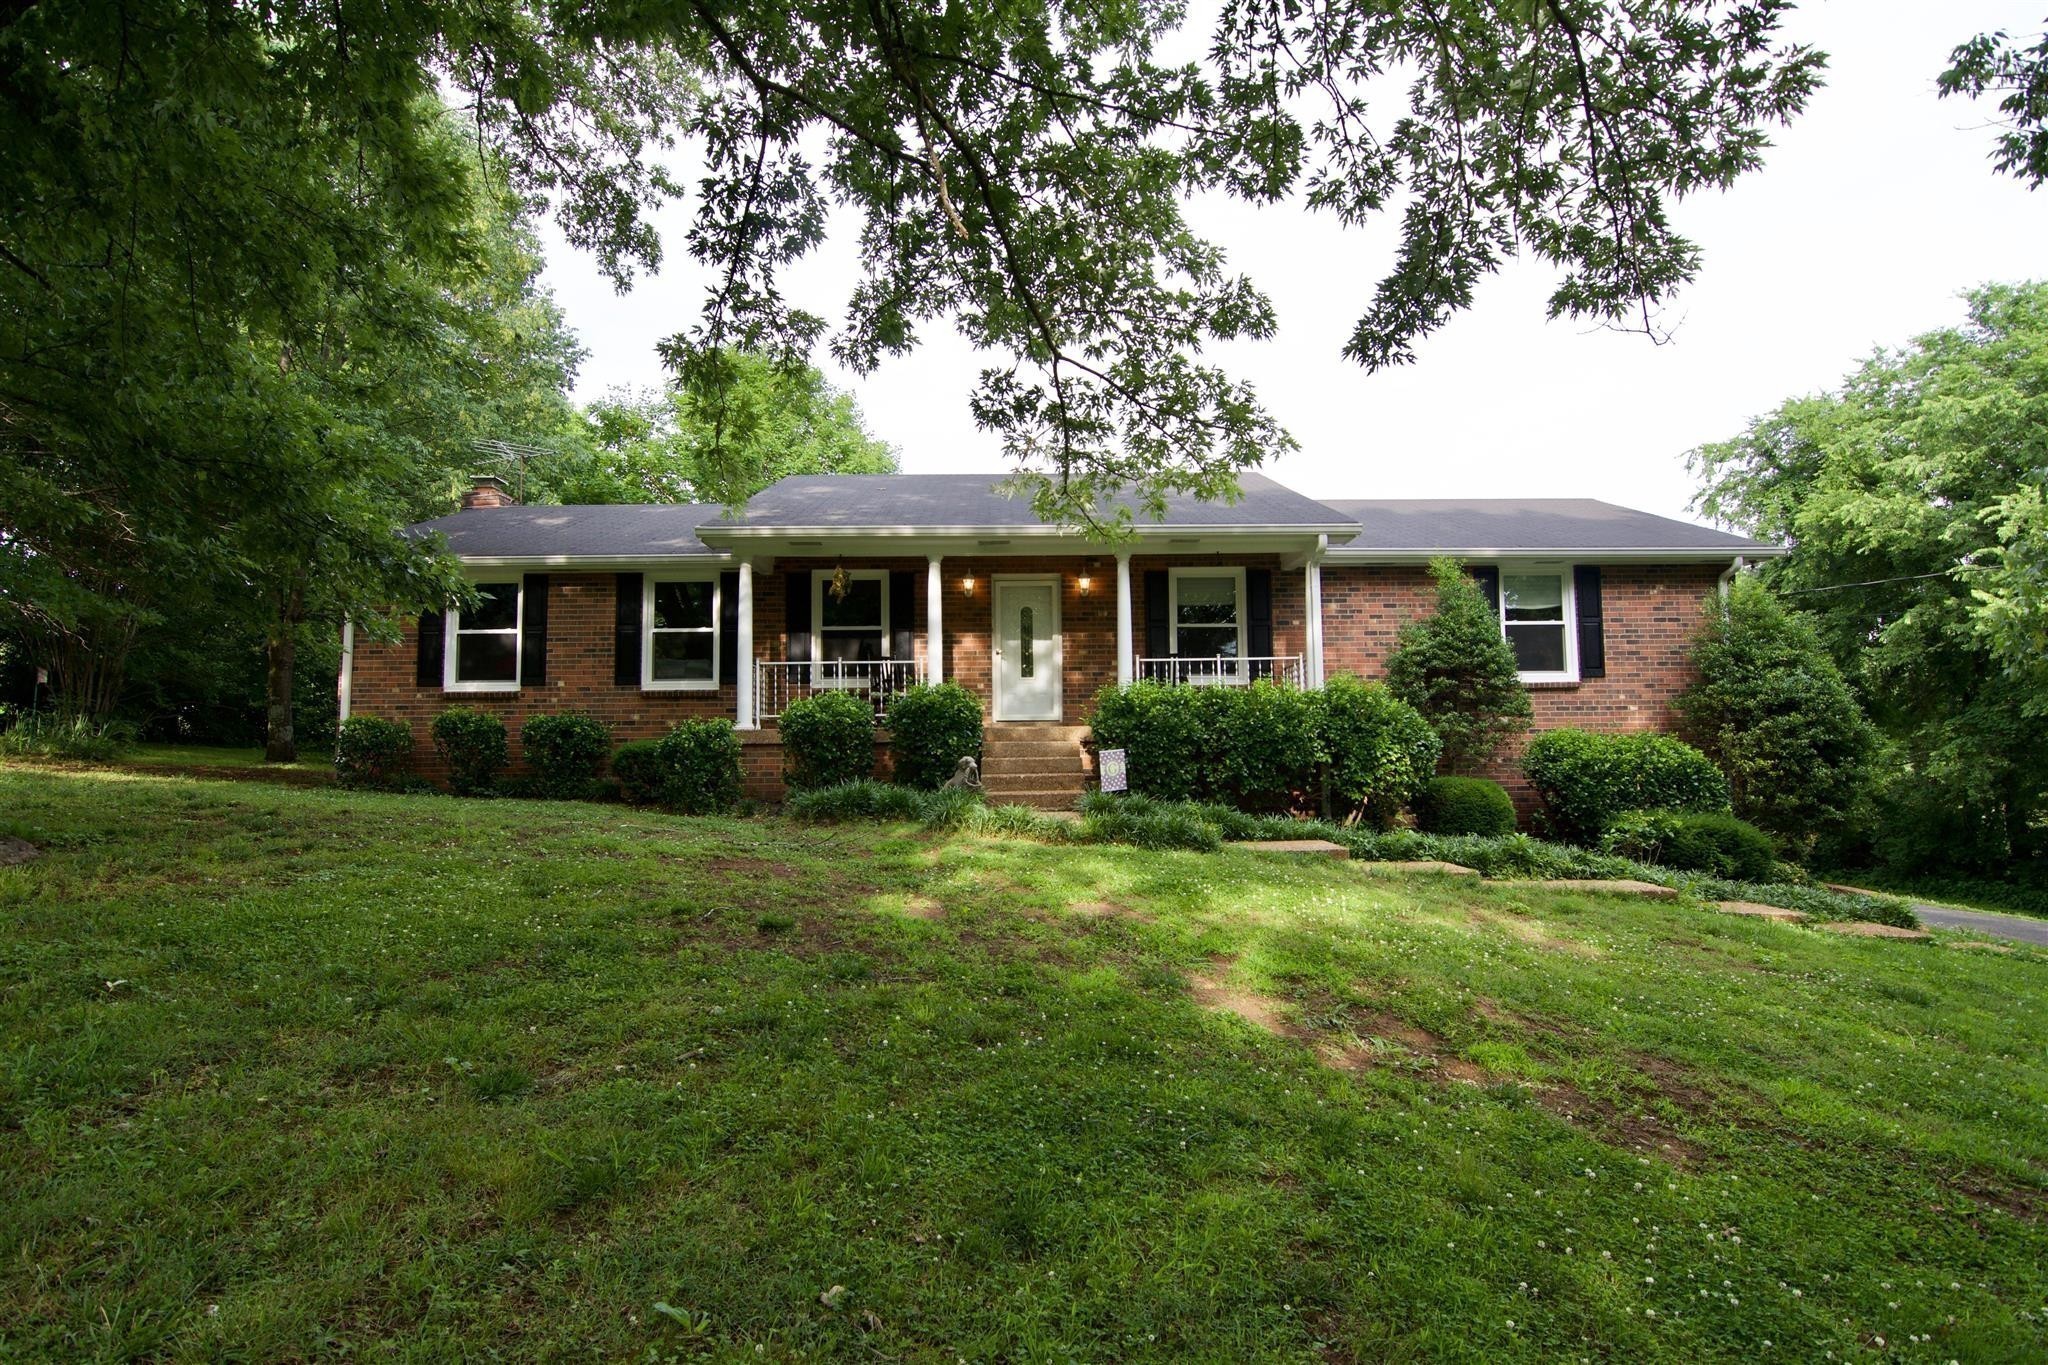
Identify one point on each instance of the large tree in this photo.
(2016, 71)
(1911, 498)
(1016, 171)
(670, 447)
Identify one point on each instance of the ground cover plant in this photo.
(294, 1072)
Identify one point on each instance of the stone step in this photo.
(1036, 763)
(1321, 848)
(1019, 748)
(1035, 730)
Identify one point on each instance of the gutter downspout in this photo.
(1728, 576)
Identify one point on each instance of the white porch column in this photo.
(1124, 662)
(743, 700)
(1312, 610)
(934, 621)
(346, 681)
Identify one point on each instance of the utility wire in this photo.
(1868, 583)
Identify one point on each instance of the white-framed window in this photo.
(1206, 615)
(853, 627)
(1537, 618)
(679, 633)
(482, 653)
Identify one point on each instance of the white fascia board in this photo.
(1579, 554)
(1152, 529)
(597, 562)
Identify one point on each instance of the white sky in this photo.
(1873, 212)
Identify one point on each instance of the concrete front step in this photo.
(1017, 748)
(1039, 763)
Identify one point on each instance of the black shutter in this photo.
(626, 630)
(1158, 635)
(729, 627)
(1258, 617)
(1488, 579)
(433, 647)
(1592, 629)
(902, 615)
(533, 632)
(796, 615)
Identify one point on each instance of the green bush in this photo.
(1772, 708)
(1266, 744)
(472, 745)
(1713, 842)
(827, 740)
(1379, 749)
(1164, 735)
(90, 741)
(931, 728)
(1457, 670)
(1586, 779)
(370, 751)
(1464, 805)
(694, 768)
(1145, 823)
(566, 752)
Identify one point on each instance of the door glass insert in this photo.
(1026, 662)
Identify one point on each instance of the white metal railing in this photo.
(778, 682)
(1221, 670)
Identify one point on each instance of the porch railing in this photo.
(778, 682)
(1221, 671)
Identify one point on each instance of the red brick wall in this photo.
(1650, 614)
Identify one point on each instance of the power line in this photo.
(1869, 583)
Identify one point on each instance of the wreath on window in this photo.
(841, 582)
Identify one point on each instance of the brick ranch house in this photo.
(645, 615)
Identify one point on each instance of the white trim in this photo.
(934, 621)
(650, 683)
(1173, 627)
(1568, 599)
(743, 671)
(1312, 613)
(1639, 554)
(996, 584)
(1126, 647)
(819, 579)
(345, 683)
(451, 642)
(935, 531)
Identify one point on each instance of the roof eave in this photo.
(1641, 554)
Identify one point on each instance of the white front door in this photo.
(1027, 648)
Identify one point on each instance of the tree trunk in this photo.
(280, 654)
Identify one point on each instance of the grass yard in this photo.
(299, 1072)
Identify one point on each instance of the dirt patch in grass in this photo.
(1617, 1127)
(1095, 910)
(13, 850)
(924, 908)
(1532, 932)
(1213, 992)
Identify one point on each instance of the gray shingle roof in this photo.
(583, 532)
(1525, 525)
(848, 501)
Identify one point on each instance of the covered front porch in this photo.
(1035, 636)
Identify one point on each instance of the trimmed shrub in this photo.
(827, 740)
(1457, 670)
(1771, 707)
(1586, 779)
(472, 744)
(1163, 734)
(694, 768)
(370, 751)
(1379, 749)
(931, 728)
(1464, 805)
(566, 753)
(1267, 743)
(1713, 842)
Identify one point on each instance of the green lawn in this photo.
(293, 1073)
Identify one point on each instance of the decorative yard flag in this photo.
(1113, 770)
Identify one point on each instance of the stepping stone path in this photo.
(1620, 886)
(1422, 865)
(1857, 928)
(1776, 912)
(13, 850)
(1321, 848)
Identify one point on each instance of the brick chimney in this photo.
(487, 490)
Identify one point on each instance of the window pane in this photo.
(1206, 601)
(499, 609)
(681, 605)
(1533, 597)
(486, 658)
(862, 605)
(1538, 649)
(1024, 643)
(682, 656)
(841, 645)
(1208, 642)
